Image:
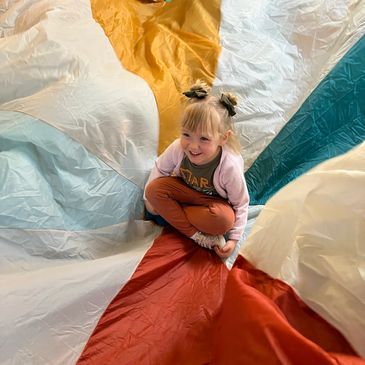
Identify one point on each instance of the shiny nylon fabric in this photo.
(78, 137)
(262, 321)
(80, 86)
(330, 122)
(76, 84)
(318, 244)
(49, 181)
(55, 285)
(166, 312)
(169, 45)
(274, 54)
(182, 306)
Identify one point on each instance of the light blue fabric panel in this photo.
(329, 123)
(49, 181)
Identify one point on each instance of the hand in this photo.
(150, 208)
(227, 250)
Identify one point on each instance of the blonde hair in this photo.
(209, 115)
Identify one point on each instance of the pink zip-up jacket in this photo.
(228, 180)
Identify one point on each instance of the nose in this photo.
(194, 145)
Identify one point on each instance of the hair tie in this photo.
(198, 93)
(227, 104)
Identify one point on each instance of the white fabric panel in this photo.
(274, 54)
(311, 234)
(57, 65)
(55, 285)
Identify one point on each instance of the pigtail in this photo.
(229, 101)
(199, 90)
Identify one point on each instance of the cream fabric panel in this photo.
(311, 234)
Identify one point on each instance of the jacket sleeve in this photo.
(237, 194)
(165, 163)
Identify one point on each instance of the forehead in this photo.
(200, 133)
(206, 123)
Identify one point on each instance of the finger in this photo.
(220, 252)
(217, 250)
(224, 249)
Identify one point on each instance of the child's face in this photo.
(199, 147)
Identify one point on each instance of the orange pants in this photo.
(188, 210)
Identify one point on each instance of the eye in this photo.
(204, 139)
(186, 135)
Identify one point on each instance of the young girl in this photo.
(197, 184)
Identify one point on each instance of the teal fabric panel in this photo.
(49, 181)
(330, 122)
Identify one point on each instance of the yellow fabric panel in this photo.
(169, 45)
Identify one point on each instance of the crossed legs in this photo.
(188, 210)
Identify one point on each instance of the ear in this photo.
(225, 137)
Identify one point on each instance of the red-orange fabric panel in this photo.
(182, 306)
(165, 314)
(264, 322)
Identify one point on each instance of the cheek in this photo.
(183, 143)
(207, 147)
(211, 150)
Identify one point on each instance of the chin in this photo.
(197, 161)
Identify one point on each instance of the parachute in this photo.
(90, 94)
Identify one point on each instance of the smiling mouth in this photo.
(195, 154)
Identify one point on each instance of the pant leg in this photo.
(215, 219)
(184, 207)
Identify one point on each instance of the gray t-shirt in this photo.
(200, 177)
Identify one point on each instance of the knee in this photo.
(151, 189)
(156, 188)
(223, 216)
